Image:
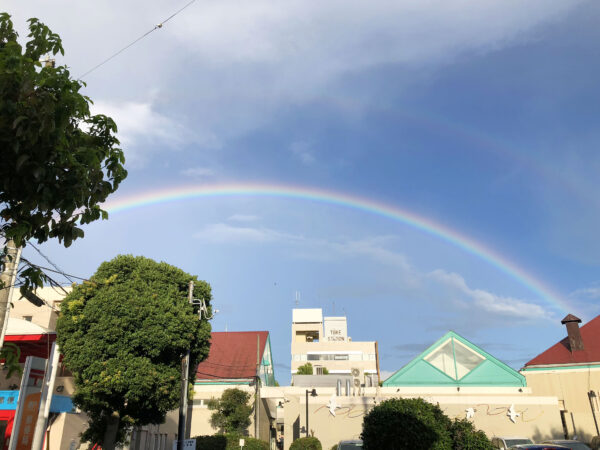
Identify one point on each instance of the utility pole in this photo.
(8, 277)
(183, 397)
(257, 389)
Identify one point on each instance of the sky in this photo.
(416, 165)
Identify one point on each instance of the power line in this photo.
(156, 27)
(51, 263)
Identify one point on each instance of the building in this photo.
(570, 370)
(324, 343)
(239, 359)
(463, 379)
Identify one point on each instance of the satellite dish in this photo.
(355, 372)
(356, 382)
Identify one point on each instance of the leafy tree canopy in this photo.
(232, 411)
(59, 162)
(466, 437)
(123, 335)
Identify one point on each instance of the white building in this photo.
(324, 342)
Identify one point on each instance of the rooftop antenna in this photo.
(297, 301)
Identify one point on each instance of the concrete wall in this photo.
(200, 414)
(538, 418)
(571, 387)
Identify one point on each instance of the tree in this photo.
(400, 423)
(306, 369)
(232, 412)
(59, 162)
(123, 335)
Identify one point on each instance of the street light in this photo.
(313, 393)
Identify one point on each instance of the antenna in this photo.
(297, 301)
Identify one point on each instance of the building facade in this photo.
(570, 370)
(324, 343)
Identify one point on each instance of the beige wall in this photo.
(538, 418)
(571, 387)
(44, 316)
(200, 414)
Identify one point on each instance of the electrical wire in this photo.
(51, 263)
(156, 27)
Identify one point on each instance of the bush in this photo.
(306, 443)
(216, 442)
(229, 442)
(406, 423)
(466, 437)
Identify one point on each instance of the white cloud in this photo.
(198, 172)
(448, 289)
(223, 233)
(302, 151)
(229, 67)
(490, 302)
(243, 218)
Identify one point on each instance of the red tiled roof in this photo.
(232, 355)
(560, 353)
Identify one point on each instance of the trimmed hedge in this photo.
(306, 443)
(229, 442)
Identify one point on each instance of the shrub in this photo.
(229, 442)
(406, 423)
(466, 437)
(306, 369)
(216, 442)
(306, 443)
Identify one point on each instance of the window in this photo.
(454, 359)
(27, 318)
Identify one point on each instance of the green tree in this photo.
(306, 443)
(123, 335)
(466, 437)
(232, 411)
(59, 162)
(400, 423)
(306, 369)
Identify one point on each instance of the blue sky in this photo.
(478, 116)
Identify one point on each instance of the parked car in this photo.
(504, 443)
(569, 443)
(350, 445)
(539, 447)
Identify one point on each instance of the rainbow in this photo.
(350, 201)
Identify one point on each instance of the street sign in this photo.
(242, 443)
(188, 444)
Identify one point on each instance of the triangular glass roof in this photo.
(454, 361)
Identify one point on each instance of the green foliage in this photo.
(406, 423)
(229, 442)
(306, 369)
(325, 371)
(334, 447)
(306, 443)
(466, 437)
(59, 163)
(11, 353)
(232, 412)
(123, 335)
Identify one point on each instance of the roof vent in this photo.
(575, 340)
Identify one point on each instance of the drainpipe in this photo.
(592, 397)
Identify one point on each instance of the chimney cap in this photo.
(570, 318)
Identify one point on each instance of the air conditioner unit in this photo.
(356, 377)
